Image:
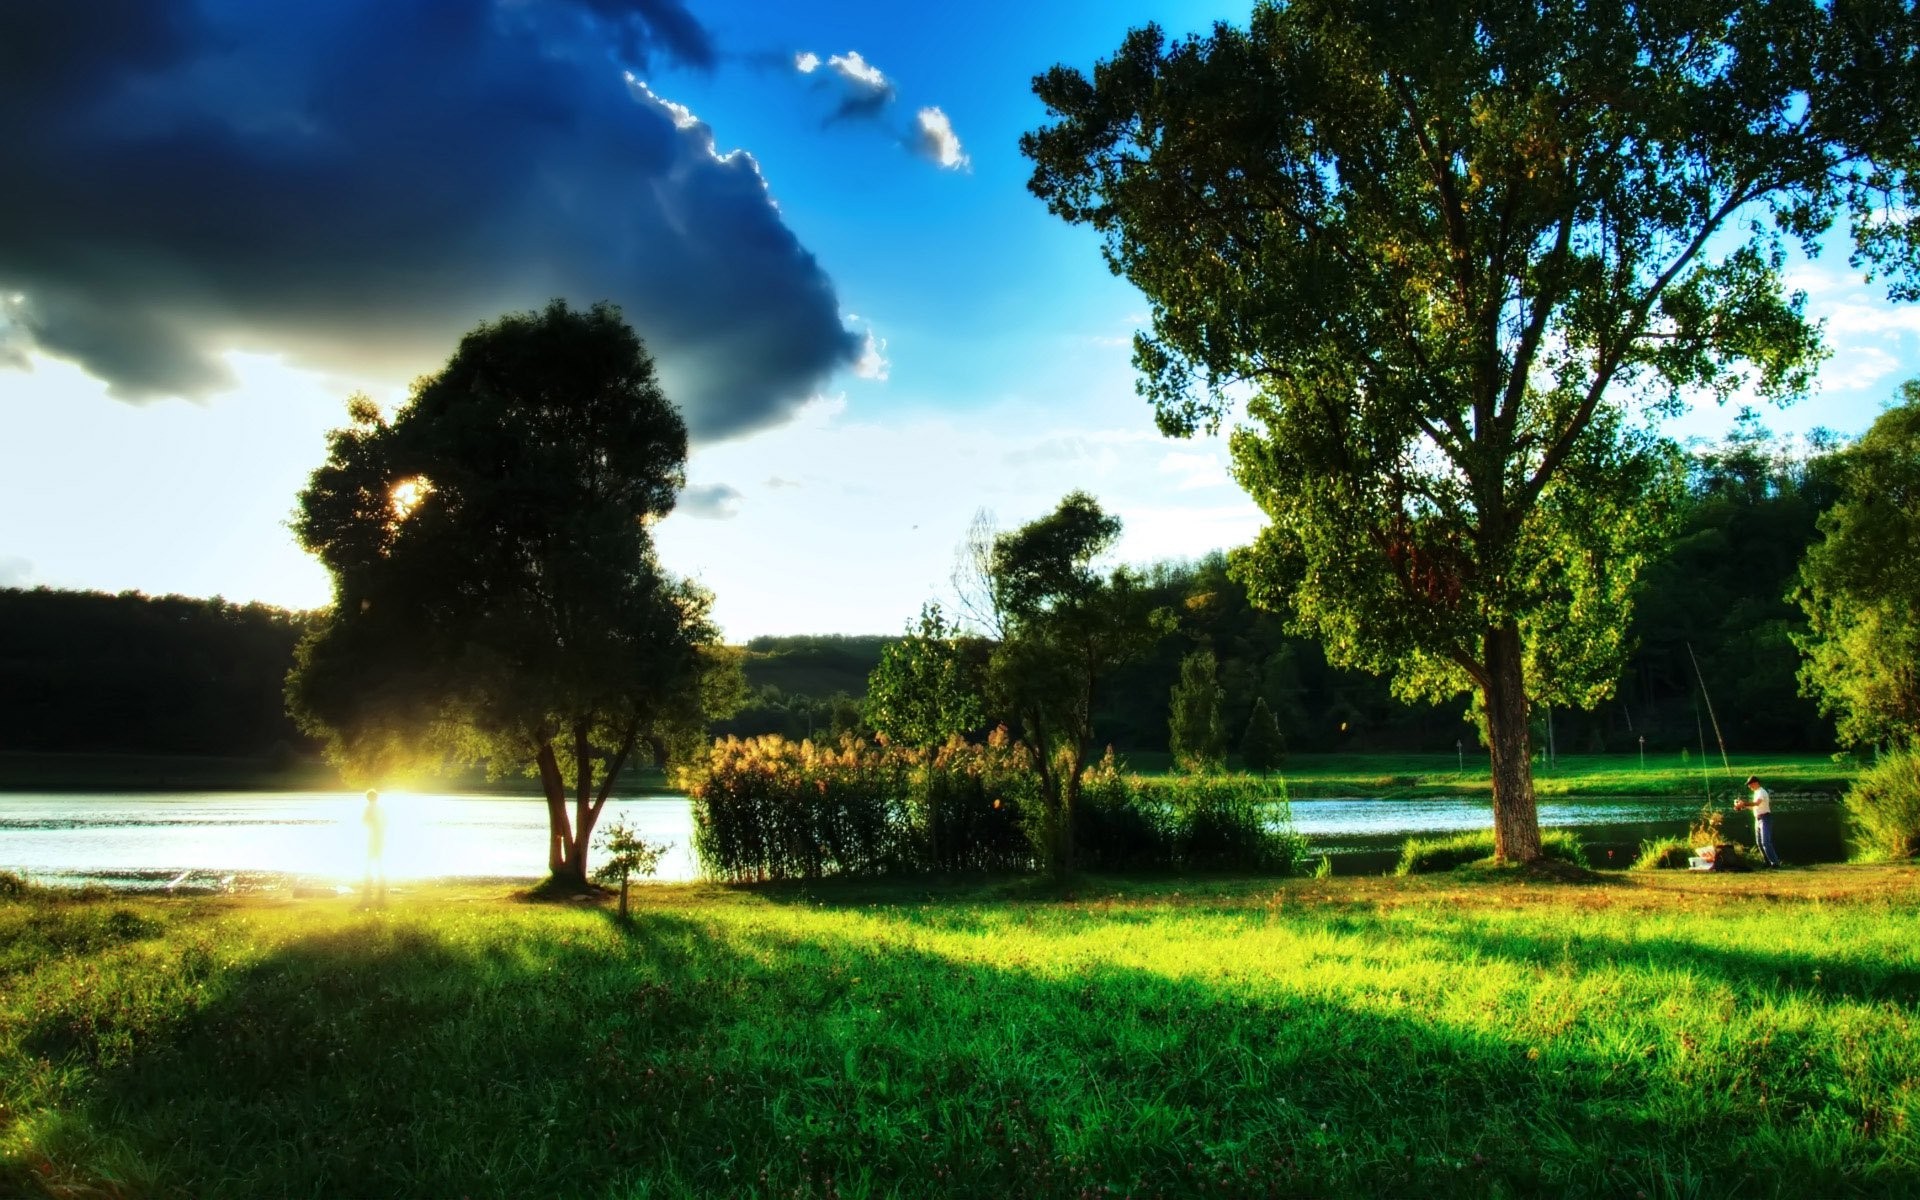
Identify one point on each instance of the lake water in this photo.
(257, 839)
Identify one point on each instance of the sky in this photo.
(224, 218)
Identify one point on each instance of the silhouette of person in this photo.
(375, 819)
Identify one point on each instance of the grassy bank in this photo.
(1699, 1036)
(1576, 776)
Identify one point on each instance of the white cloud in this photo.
(872, 363)
(15, 572)
(1857, 367)
(936, 140)
(806, 62)
(857, 70)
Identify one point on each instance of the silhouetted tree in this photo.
(496, 593)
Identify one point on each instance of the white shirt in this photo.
(1761, 803)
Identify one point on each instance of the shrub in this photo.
(768, 808)
(14, 887)
(1883, 809)
(1188, 823)
(968, 807)
(1663, 854)
(1420, 856)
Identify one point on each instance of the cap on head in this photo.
(1752, 780)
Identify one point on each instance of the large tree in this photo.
(496, 592)
(1458, 259)
(1860, 586)
(1063, 625)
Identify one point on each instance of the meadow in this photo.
(1466, 1034)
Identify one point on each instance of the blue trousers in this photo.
(1763, 834)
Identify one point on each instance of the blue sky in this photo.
(242, 222)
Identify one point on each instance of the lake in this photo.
(267, 839)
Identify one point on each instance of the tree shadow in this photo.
(736, 1055)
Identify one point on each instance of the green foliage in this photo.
(923, 692)
(772, 809)
(14, 886)
(496, 593)
(1883, 808)
(767, 808)
(1420, 856)
(1261, 746)
(1461, 256)
(1860, 586)
(1185, 823)
(1664, 854)
(1194, 732)
(626, 854)
(1063, 627)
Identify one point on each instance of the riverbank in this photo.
(1308, 776)
(1453, 1035)
(1573, 777)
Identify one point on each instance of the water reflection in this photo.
(314, 838)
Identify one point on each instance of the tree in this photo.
(1860, 586)
(923, 690)
(1194, 734)
(628, 854)
(1261, 747)
(1064, 626)
(1459, 258)
(496, 592)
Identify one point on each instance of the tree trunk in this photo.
(559, 835)
(1516, 819)
(584, 810)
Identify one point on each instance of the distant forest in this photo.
(85, 672)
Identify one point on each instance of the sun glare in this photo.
(407, 495)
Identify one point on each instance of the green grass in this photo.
(1697, 1036)
(1421, 856)
(1425, 776)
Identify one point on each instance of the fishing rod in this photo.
(1716, 720)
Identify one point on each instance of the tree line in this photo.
(93, 672)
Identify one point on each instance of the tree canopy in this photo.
(496, 591)
(1860, 586)
(1457, 260)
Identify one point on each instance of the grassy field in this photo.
(1697, 1036)
(1419, 776)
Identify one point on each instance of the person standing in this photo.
(375, 819)
(1761, 802)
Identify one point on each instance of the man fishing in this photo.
(1762, 805)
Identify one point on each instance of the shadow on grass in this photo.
(672, 1055)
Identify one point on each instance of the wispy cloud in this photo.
(711, 501)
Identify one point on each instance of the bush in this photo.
(1663, 854)
(1883, 809)
(768, 808)
(14, 887)
(1422, 856)
(968, 807)
(1187, 823)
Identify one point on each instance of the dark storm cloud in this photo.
(710, 501)
(354, 185)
